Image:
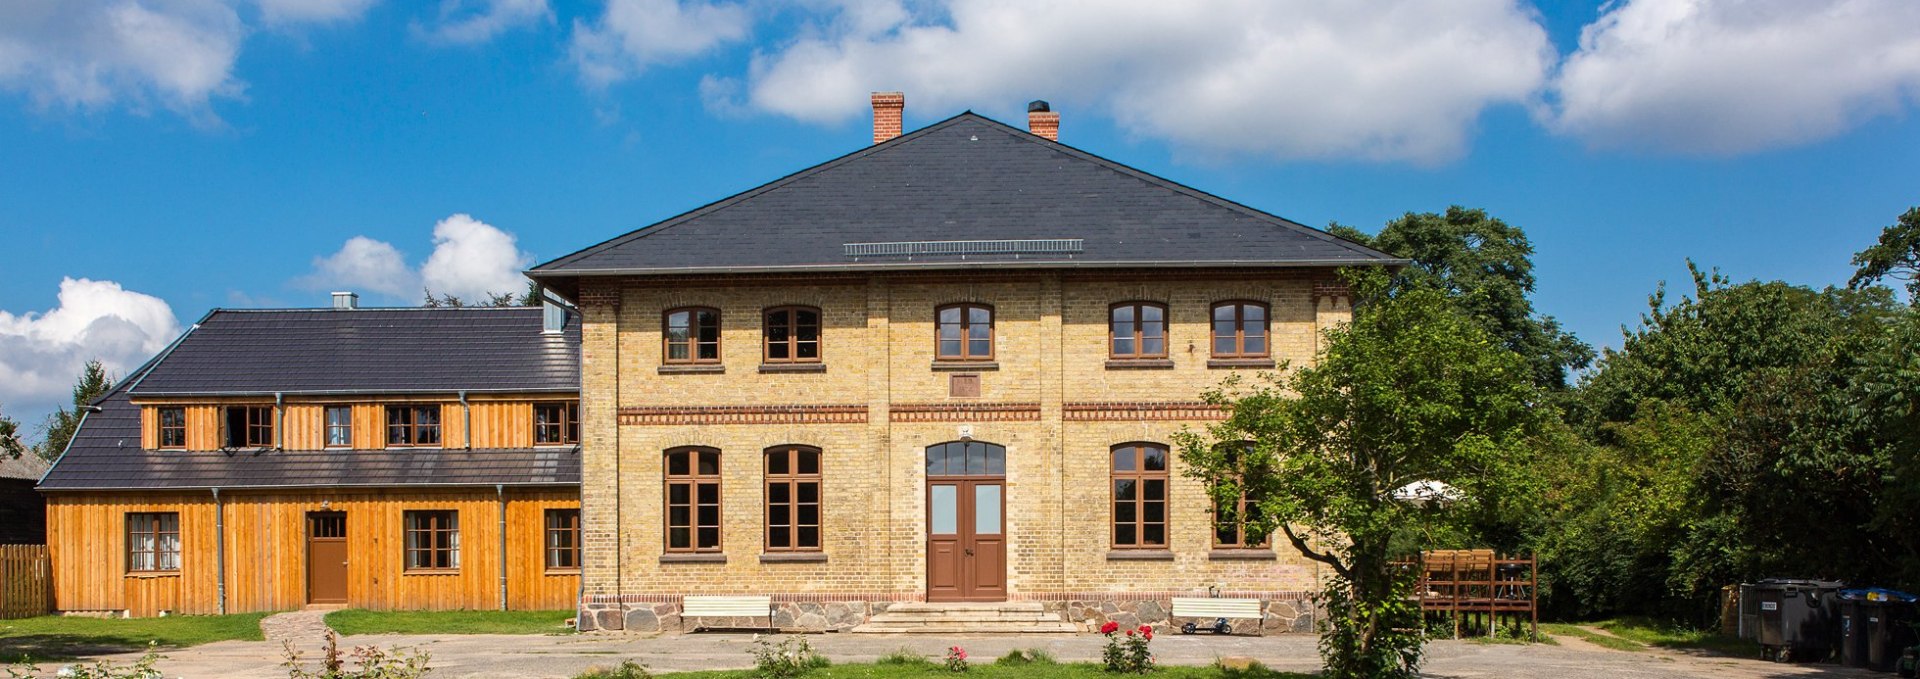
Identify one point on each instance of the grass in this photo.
(60, 638)
(1560, 629)
(1666, 635)
(996, 670)
(352, 622)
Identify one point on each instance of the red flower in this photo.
(1147, 630)
(1129, 632)
(1110, 627)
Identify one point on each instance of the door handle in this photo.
(969, 551)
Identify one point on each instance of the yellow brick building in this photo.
(948, 367)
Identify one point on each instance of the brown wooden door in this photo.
(966, 522)
(326, 558)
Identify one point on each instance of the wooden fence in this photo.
(26, 581)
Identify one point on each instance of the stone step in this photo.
(998, 617)
(941, 607)
(963, 617)
(971, 628)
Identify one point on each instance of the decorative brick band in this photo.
(1169, 594)
(600, 295)
(665, 415)
(1127, 411)
(1331, 288)
(965, 412)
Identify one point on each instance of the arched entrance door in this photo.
(966, 520)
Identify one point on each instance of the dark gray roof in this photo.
(367, 351)
(331, 351)
(965, 178)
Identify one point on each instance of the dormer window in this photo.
(556, 424)
(415, 425)
(249, 427)
(173, 427)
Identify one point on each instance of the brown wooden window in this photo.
(693, 500)
(433, 540)
(792, 335)
(339, 423)
(965, 332)
(413, 425)
(173, 426)
(1139, 496)
(1137, 330)
(153, 542)
(249, 426)
(793, 499)
(1230, 517)
(692, 335)
(556, 424)
(563, 539)
(1239, 330)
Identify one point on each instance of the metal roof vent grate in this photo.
(1051, 246)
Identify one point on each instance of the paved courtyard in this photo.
(560, 657)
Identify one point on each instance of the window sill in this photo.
(563, 571)
(965, 365)
(794, 557)
(1242, 555)
(793, 367)
(431, 571)
(1139, 363)
(693, 558)
(1240, 363)
(1139, 555)
(693, 369)
(146, 575)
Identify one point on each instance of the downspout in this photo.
(500, 490)
(279, 421)
(466, 417)
(220, 550)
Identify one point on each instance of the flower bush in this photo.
(140, 669)
(789, 658)
(1128, 653)
(956, 659)
(369, 662)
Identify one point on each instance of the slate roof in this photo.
(965, 178)
(298, 351)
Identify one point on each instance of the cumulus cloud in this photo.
(1389, 80)
(634, 34)
(1733, 76)
(90, 54)
(283, 12)
(42, 352)
(470, 22)
(470, 259)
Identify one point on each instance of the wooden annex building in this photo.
(373, 458)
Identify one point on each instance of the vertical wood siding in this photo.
(496, 424)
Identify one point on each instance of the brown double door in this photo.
(326, 558)
(966, 522)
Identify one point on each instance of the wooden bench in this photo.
(1220, 610)
(726, 607)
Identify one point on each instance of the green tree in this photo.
(1412, 390)
(1485, 266)
(1896, 256)
(61, 425)
(10, 444)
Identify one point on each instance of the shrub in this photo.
(956, 660)
(904, 656)
(628, 669)
(141, 668)
(1033, 656)
(1127, 654)
(368, 662)
(789, 658)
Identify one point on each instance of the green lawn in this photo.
(1560, 629)
(354, 621)
(59, 638)
(1637, 634)
(997, 671)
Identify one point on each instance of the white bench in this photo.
(1217, 609)
(726, 607)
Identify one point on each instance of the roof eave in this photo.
(948, 265)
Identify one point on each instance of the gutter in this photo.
(500, 490)
(537, 274)
(220, 550)
(279, 422)
(466, 420)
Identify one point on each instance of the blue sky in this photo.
(162, 157)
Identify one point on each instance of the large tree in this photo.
(1412, 390)
(1896, 256)
(10, 445)
(61, 425)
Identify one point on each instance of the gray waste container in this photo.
(1797, 618)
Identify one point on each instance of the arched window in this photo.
(1137, 330)
(693, 499)
(792, 335)
(1139, 496)
(966, 458)
(965, 332)
(1239, 330)
(691, 335)
(793, 499)
(1230, 517)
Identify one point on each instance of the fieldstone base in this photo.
(1283, 617)
(597, 615)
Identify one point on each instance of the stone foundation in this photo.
(1283, 616)
(609, 614)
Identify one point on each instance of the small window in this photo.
(173, 427)
(1140, 496)
(153, 542)
(965, 332)
(793, 499)
(792, 335)
(693, 500)
(563, 539)
(692, 335)
(249, 426)
(556, 424)
(1137, 330)
(339, 426)
(1231, 517)
(1239, 330)
(433, 540)
(415, 425)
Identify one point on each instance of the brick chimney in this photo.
(1042, 121)
(887, 107)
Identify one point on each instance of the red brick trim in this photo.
(671, 415)
(965, 412)
(1128, 411)
(1330, 288)
(600, 296)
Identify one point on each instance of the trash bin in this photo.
(1797, 618)
(1890, 617)
(1853, 627)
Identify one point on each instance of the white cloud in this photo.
(635, 34)
(364, 264)
(90, 54)
(283, 12)
(470, 258)
(42, 353)
(469, 22)
(1732, 76)
(1390, 80)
